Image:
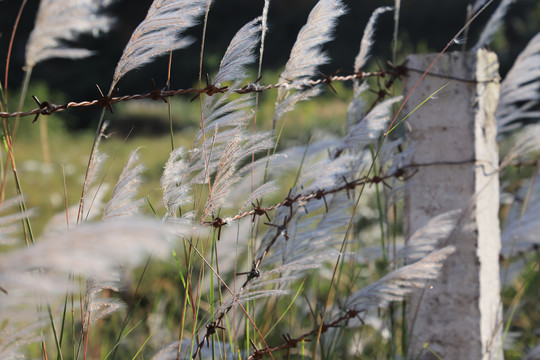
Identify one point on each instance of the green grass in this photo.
(144, 125)
(43, 185)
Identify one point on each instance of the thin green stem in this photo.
(90, 159)
(55, 333)
(22, 97)
(381, 211)
(130, 308)
(397, 9)
(169, 110)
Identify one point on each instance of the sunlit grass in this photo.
(43, 184)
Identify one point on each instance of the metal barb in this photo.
(45, 108)
(105, 100)
(328, 79)
(217, 223)
(320, 195)
(156, 94)
(282, 229)
(259, 211)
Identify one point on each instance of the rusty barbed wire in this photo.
(48, 108)
(319, 194)
(290, 342)
(281, 230)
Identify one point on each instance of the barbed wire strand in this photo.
(254, 273)
(48, 108)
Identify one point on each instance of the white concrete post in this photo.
(456, 156)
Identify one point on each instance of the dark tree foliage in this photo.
(424, 25)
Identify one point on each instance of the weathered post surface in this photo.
(456, 156)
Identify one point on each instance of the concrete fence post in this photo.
(456, 159)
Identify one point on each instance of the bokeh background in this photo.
(425, 25)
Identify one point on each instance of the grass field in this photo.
(144, 125)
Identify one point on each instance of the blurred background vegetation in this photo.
(425, 26)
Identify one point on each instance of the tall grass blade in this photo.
(89, 250)
(520, 89)
(15, 337)
(94, 164)
(240, 53)
(230, 169)
(96, 306)
(122, 203)
(307, 54)
(429, 237)
(520, 234)
(398, 283)
(159, 33)
(368, 38)
(367, 128)
(175, 191)
(61, 21)
(9, 223)
(493, 24)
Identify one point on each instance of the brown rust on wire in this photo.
(290, 342)
(47, 108)
(321, 193)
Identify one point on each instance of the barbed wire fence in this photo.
(48, 108)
